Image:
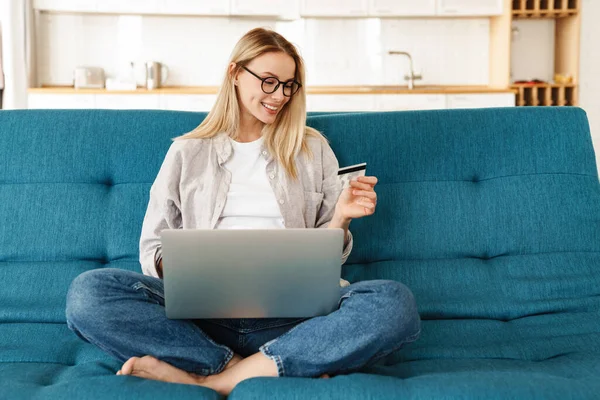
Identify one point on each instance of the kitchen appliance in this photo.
(156, 74)
(88, 78)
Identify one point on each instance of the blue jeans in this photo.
(122, 312)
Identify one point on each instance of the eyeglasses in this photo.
(270, 84)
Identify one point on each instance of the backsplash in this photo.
(349, 51)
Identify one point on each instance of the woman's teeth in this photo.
(269, 107)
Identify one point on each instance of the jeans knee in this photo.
(402, 310)
(83, 294)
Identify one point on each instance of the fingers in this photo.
(371, 180)
(364, 182)
(370, 194)
(359, 185)
(366, 203)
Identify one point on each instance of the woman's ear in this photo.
(231, 73)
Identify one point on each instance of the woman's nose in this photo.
(278, 94)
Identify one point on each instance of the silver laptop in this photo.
(251, 273)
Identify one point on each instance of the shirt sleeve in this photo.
(332, 188)
(163, 212)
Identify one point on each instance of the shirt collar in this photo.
(224, 148)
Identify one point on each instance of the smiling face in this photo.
(255, 103)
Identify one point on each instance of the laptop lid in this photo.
(251, 273)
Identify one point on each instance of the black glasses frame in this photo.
(278, 84)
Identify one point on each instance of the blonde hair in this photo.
(287, 136)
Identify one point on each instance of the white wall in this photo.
(336, 51)
(589, 96)
(16, 52)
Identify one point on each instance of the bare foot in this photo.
(234, 360)
(149, 367)
(152, 368)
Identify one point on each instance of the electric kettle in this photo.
(156, 74)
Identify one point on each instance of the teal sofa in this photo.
(490, 216)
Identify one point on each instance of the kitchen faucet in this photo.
(412, 77)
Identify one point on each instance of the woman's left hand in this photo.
(358, 199)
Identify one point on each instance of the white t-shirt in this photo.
(251, 203)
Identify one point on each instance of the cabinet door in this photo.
(469, 7)
(61, 101)
(334, 8)
(401, 8)
(188, 102)
(334, 102)
(130, 6)
(65, 5)
(128, 101)
(399, 102)
(480, 100)
(258, 7)
(196, 7)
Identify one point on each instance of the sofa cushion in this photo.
(569, 377)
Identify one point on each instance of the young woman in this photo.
(252, 163)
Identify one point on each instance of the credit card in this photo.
(346, 174)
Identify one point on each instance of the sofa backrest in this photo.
(482, 213)
(485, 213)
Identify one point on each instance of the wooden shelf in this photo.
(567, 27)
(546, 94)
(545, 8)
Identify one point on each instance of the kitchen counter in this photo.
(425, 89)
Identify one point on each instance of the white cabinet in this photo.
(469, 7)
(188, 102)
(480, 100)
(168, 7)
(345, 102)
(128, 101)
(59, 101)
(398, 102)
(65, 5)
(261, 7)
(334, 8)
(196, 7)
(401, 8)
(129, 6)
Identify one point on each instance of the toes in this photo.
(149, 367)
(148, 363)
(127, 368)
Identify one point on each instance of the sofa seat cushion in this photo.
(87, 380)
(569, 376)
